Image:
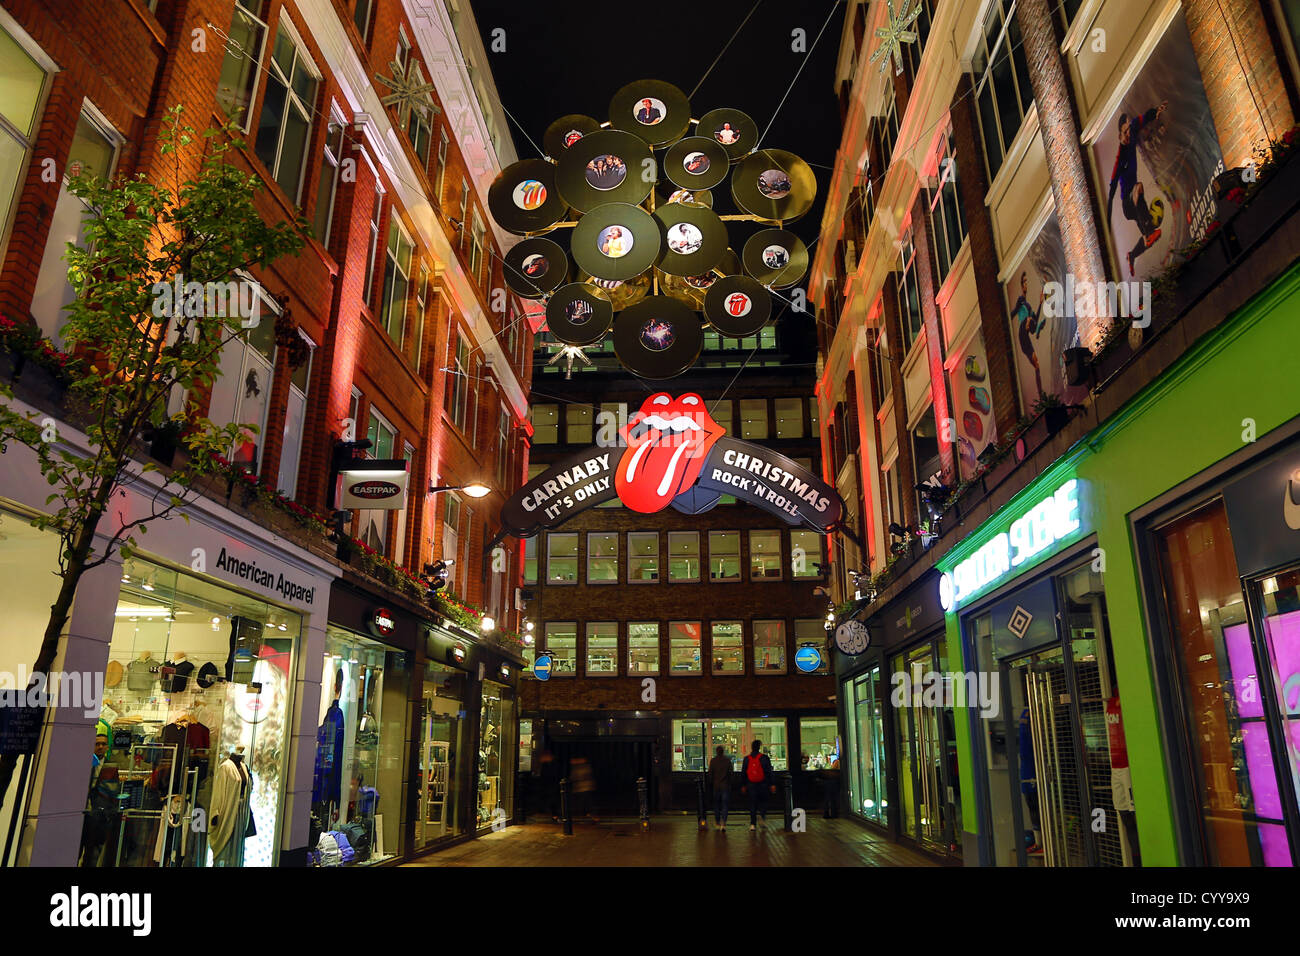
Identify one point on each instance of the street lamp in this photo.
(475, 489)
(488, 624)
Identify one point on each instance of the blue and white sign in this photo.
(542, 667)
(807, 659)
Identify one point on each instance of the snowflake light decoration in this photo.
(894, 34)
(569, 353)
(408, 91)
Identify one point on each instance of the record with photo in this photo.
(775, 257)
(694, 239)
(524, 200)
(565, 132)
(731, 129)
(617, 241)
(653, 110)
(535, 267)
(737, 306)
(658, 338)
(691, 289)
(578, 314)
(696, 162)
(602, 167)
(774, 184)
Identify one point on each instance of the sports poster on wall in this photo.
(1157, 157)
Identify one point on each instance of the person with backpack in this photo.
(758, 780)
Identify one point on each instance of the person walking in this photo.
(758, 780)
(584, 786)
(720, 774)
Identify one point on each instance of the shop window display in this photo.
(497, 728)
(819, 743)
(694, 741)
(442, 754)
(194, 726)
(360, 738)
(866, 729)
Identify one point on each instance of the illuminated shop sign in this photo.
(1047, 523)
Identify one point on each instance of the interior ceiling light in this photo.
(646, 251)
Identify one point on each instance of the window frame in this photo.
(586, 648)
(658, 578)
(658, 646)
(698, 563)
(551, 580)
(739, 576)
(778, 551)
(302, 55)
(393, 266)
(714, 671)
(549, 647)
(589, 557)
(699, 645)
(784, 645)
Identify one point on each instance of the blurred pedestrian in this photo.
(584, 786)
(758, 779)
(720, 774)
(549, 772)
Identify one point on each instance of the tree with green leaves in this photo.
(136, 343)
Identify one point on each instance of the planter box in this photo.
(1274, 201)
(1202, 272)
(999, 471)
(1107, 363)
(1056, 417)
(971, 497)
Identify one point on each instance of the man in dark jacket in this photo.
(720, 774)
(758, 779)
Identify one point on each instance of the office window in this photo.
(375, 210)
(642, 648)
(724, 555)
(242, 64)
(419, 129)
(361, 17)
(287, 109)
(642, 557)
(561, 558)
(684, 647)
(241, 393)
(1001, 74)
(602, 649)
(458, 382)
(397, 280)
(530, 560)
(753, 418)
(373, 522)
(947, 226)
(769, 647)
(812, 416)
(882, 377)
(683, 555)
(577, 424)
(294, 415)
(767, 337)
(476, 248)
(805, 554)
(562, 642)
(602, 557)
(721, 412)
(728, 647)
(503, 448)
(439, 174)
(403, 48)
(764, 555)
(415, 341)
(789, 418)
(812, 632)
(329, 178)
(887, 131)
(909, 293)
(546, 424)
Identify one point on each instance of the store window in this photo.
(769, 647)
(198, 697)
(728, 647)
(695, 742)
(789, 417)
(242, 63)
(819, 743)
(602, 557)
(811, 632)
(864, 720)
(1001, 73)
(806, 555)
(642, 648)
(643, 557)
(683, 556)
(562, 644)
(602, 649)
(546, 424)
(526, 744)
(753, 419)
(577, 424)
(360, 745)
(684, 648)
(765, 555)
(443, 754)
(497, 750)
(561, 558)
(288, 106)
(724, 555)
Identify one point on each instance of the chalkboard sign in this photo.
(20, 729)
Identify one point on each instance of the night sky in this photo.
(572, 57)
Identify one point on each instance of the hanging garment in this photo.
(230, 793)
(327, 781)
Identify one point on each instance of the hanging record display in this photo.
(621, 293)
(691, 289)
(775, 257)
(694, 239)
(731, 129)
(696, 162)
(578, 314)
(737, 306)
(561, 135)
(657, 112)
(670, 192)
(523, 198)
(659, 337)
(604, 167)
(774, 184)
(616, 241)
(536, 266)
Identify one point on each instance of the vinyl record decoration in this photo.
(605, 174)
(523, 198)
(658, 338)
(775, 257)
(578, 314)
(535, 267)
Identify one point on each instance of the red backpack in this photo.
(754, 768)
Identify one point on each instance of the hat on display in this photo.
(113, 674)
(207, 675)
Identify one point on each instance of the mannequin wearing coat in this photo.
(228, 819)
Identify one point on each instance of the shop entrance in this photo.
(928, 786)
(615, 765)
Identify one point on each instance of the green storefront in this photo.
(1140, 604)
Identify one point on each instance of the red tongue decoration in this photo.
(666, 456)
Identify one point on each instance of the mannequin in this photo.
(141, 673)
(228, 819)
(327, 783)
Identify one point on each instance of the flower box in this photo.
(1272, 202)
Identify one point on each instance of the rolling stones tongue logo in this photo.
(667, 442)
